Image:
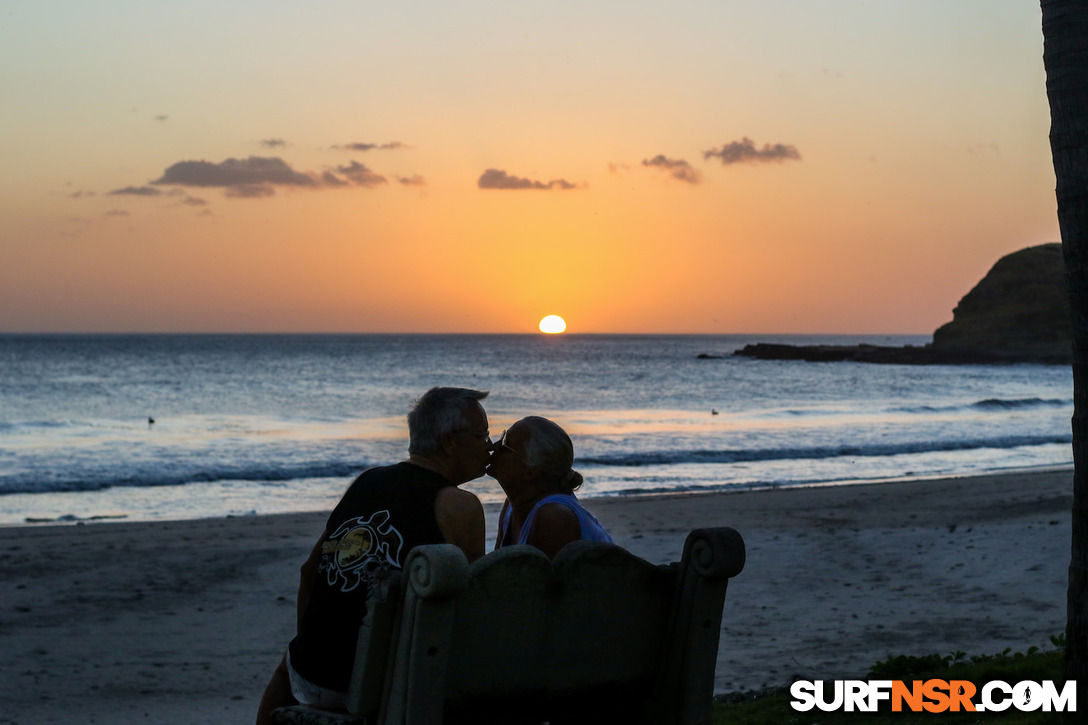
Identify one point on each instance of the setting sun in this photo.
(553, 324)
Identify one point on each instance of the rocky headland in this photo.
(1019, 312)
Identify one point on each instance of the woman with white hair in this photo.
(532, 462)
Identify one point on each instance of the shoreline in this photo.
(183, 621)
(73, 520)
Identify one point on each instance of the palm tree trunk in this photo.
(1065, 57)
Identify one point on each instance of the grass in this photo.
(775, 709)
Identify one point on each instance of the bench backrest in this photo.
(598, 628)
(597, 616)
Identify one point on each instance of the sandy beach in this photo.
(182, 622)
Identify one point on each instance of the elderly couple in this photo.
(388, 510)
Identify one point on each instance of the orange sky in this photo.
(720, 167)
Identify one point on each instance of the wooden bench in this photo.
(597, 636)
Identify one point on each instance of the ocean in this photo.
(256, 424)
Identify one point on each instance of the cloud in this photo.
(360, 175)
(136, 191)
(257, 177)
(745, 151)
(498, 179)
(273, 143)
(80, 194)
(413, 180)
(161, 117)
(677, 168)
(330, 179)
(251, 172)
(249, 191)
(193, 201)
(358, 146)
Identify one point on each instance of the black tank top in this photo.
(386, 512)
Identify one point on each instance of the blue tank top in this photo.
(591, 527)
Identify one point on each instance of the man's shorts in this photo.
(307, 693)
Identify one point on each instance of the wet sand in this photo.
(182, 622)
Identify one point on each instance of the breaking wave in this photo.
(675, 457)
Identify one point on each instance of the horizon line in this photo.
(285, 333)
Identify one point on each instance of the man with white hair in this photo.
(384, 513)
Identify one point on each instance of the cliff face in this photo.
(1019, 310)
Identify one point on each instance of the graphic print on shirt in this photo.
(358, 549)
